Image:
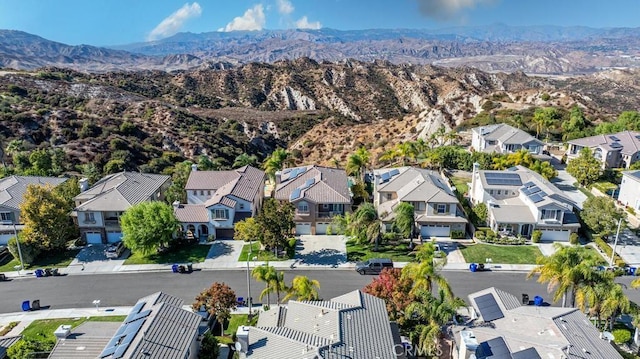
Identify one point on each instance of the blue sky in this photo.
(114, 22)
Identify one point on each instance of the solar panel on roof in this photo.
(529, 353)
(295, 194)
(294, 173)
(140, 315)
(525, 190)
(535, 198)
(493, 349)
(134, 311)
(309, 182)
(615, 145)
(501, 178)
(614, 138)
(394, 172)
(488, 307)
(385, 176)
(302, 170)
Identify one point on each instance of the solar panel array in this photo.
(127, 332)
(502, 179)
(614, 138)
(488, 307)
(297, 192)
(615, 145)
(386, 176)
(495, 348)
(534, 192)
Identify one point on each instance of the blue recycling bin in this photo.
(473, 267)
(39, 273)
(174, 268)
(632, 270)
(26, 306)
(538, 300)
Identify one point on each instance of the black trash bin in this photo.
(182, 268)
(480, 267)
(3, 277)
(35, 305)
(47, 272)
(525, 299)
(189, 267)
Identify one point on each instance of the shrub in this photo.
(536, 236)
(209, 346)
(621, 336)
(458, 234)
(604, 246)
(573, 238)
(29, 251)
(545, 97)
(480, 234)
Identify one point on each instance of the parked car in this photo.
(374, 265)
(114, 250)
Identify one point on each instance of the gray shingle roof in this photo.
(85, 341)
(355, 325)
(6, 343)
(506, 134)
(330, 184)
(119, 191)
(584, 337)
(13, 188)
(195, 213)
(629, 141)
(244, 182)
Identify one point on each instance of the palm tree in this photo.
(357, 163)
(276, 162)
(245, 160)
(407, 152)
(264, 273)
(303, 288)
(424, 273)
(14, 146)
(405, 219)
(451, 137)
(276, 284)
(365, 224)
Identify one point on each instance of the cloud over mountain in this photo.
(447, 9)
(285, 7)
(303, 23)
(174, 22)
(252, 19)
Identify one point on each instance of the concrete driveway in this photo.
(321, 250)
(628, 247)
(564, 181)
(91, 259)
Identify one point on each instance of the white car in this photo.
(114, 250)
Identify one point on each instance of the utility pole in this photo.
(615, 243)
(15, 231)
(249, 278)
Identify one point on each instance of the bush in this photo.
(604, 246)
(621, 336)
(458, 234)
(536, 236)
(209, 346)
(292, 243)
(480, 234)
(573, 238)
(25, 348)
(29, 251)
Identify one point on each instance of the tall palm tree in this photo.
(452, 137)
(303, 288)
(264, 273)
(276, 162)
(424, 273)
(405, 219)
(365, 224)
(358, 162)
(277, 285)
(244, 159)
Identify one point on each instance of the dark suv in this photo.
(374, 265)
(114, 250)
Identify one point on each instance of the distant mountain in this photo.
(532, 49)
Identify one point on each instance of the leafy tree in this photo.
(360, 193)
(40, 162)
(68, 190)
(544, 119)
(179, 177)
(585, 168)
(545, 169)
(395, 290)
(247, 230)
(29, 250)
(114, 166)
(245, 160)
(13, 147)
(405, 219)
(26, 348)
(575, 125)
(147, 225)
(207, 164)
(91, 172)
(209, 347)
(218, 300)
(601, 215)
(303, 288)
(45, 214)
(276, 221)
(481, 212)
(365, 225)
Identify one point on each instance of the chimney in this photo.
(243, 338)
(176, 204)
(194, 167)
(84, 184)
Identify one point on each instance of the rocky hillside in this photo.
(322, 111)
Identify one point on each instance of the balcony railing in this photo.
(302, 213)
(111, 222)
(328, 214)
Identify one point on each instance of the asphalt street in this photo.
(79, 291)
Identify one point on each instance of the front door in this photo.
(525, 229)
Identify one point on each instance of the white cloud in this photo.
(173, 23)
(304, 23)
(447, 9)
(285, 7)
(252, 19)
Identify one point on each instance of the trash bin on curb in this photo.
(189, 267)
(525, 298)
(35, 305)
(39, 273)
(480, 267)
(182, 269)
(26, 306)
(473, 267)
(538, 300)
(174, 268)
(632, 270)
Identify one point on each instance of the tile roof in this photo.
(584, 337)
(120, 191)
(505, 134)
(195, 213)
(6, 343)
(330, 185)
(167, 332)
(629, 141)
(85, 341)
(244, 183)
(355, 325)
(13, 188)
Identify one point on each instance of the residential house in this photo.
(156, 327)
(318, 194)
(216, 200)
(520, 201)
(617, 150)
(6, 343)
(98, 209)
(629, 194)
(354, 325)
(437, 210)
(12, 190)
(501, 327)
(502, 138)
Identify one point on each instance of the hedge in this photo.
(606, 248)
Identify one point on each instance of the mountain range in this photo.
(535, 49)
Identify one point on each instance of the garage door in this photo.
(4, 238)
(434, 231)
(303, 228)
(555, 235)
(94, 238)
(224, 233)
(321, 228)
(114, 236)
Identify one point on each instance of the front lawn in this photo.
(461, 184)
(397, 251)
(194, 253)
(44, 260)
(510, 254)
(260, 255)
(232, 327)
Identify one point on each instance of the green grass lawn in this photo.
(478, 253)
(232, 326)
(583, 190)
(398, 252)
(45, 260)
(264, 256)
(461, 184)
(193, 253)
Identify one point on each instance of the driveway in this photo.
(91, 259)
(223, 254)
(321, 250)
(564, 181)
(628, 247)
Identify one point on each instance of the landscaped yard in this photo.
(461, 184)
(48, 260)
(193, 253)
(232, 326)
(260, 255)
(397, 251)
(512, 254)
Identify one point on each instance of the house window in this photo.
(499, 192)
(389, 196)
(220, 213)
(201, 192)
(339, 207)
(241, 205)
(491, 192)
(303, 207)
(550, 214)
(89, 217)
(195, 193)
(209, 193)
(6, 217)
(441, 208)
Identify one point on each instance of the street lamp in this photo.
(249, 277)
(15, 231)
(97, 304)
(615, 243)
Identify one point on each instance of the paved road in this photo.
(124, 289)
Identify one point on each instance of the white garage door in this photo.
(321, 228)
(4, 238)
(434, 231)
(94, 238)
(555, 235)
(303, 228)
(114, 236)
